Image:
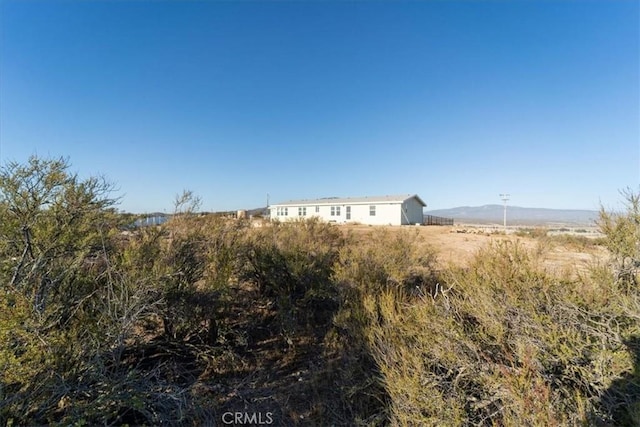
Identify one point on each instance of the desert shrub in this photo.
(204, 253)
(54, 229)
(503, 343)
(54, 225)
(382, 260)
(63, 311)
(577, 242)
(622, 231)
(536, 232)
(81, 375)
(376, 263)
(292, 263)
(74, 300)
(379, 262)
(188, 262)
(580, 243)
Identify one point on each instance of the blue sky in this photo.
(456, 101)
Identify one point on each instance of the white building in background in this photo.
(384, 210)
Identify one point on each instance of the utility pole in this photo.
(505, 199)
(268, 210)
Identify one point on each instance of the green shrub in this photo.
(382, 259)
(75, 294)
(188, 262)
(373, 265)
(292, 263)
(503, 343)
(622, 231)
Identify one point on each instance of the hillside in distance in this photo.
(493, 214)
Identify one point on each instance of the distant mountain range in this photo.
(517, 215)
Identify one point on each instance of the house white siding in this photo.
(384, 210)
(412, 212)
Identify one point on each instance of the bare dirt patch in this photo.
(458, 245)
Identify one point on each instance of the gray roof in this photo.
(398, 198)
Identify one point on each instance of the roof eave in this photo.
(424, 205)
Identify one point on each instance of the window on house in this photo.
(372, 210)
(317, 209)
(335, 210)
(286, 211)
(302, 211)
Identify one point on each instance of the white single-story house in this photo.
(384, 210)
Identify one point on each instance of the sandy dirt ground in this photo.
(458, 245)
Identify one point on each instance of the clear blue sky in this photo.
(456, 101)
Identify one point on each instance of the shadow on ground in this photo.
(299, 379)
(620, 403)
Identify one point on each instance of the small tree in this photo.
(55, 234)
(51, 222)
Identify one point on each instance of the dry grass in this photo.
(504, 343)
(562, 255)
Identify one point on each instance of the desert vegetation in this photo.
(301, 323)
